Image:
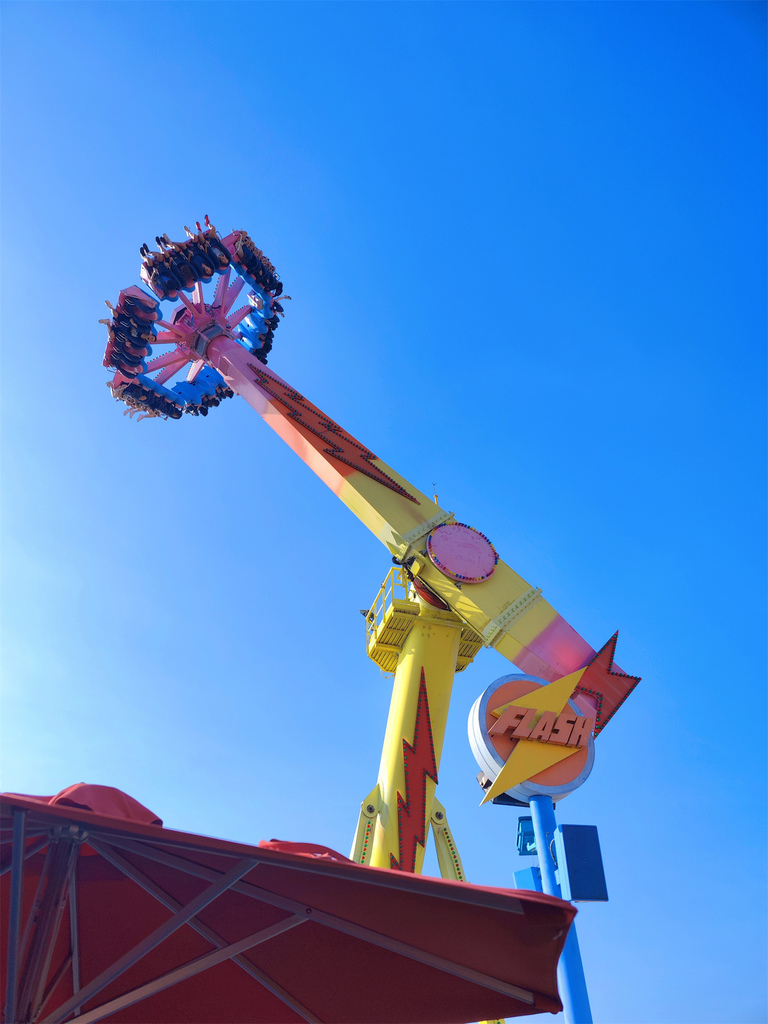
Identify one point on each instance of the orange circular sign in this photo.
(543, 743)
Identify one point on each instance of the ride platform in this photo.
(391, 616)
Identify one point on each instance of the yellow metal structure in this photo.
(424, 646)
(469, 644)
(413, 741)
(447, 855)
(390, 618)
(369, 811)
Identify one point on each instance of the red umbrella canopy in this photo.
(109, 916)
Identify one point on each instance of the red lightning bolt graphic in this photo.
(341, 445)
(418, 762)
(607, 686)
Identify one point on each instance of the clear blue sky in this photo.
(525, 245)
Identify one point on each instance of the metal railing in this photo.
(394, 588)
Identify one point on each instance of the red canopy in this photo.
(137, 923)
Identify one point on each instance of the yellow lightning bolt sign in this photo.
(529, 756)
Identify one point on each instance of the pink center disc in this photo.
(462, 553)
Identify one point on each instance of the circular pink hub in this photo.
(462, 553)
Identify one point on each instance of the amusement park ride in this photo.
(447, 595)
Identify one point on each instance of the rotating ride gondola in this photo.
(172, 272)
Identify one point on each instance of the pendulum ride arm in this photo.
(508, 613)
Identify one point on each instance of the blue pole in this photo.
(570, 972)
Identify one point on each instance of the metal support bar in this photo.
(392, 880)
(189, 970)
(63, 850)
(74, 933)
(14, 916)
(32, 849)
(339, 924)
(146, 883)
(570, 972)
(63, 967)
(35, 909)
(221, 287)
(363, 841)
(232, 292)
(140, 950)
(447, 855)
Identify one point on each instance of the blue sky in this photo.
(525, 245)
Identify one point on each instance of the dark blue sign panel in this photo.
(580, 864)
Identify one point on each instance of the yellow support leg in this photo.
(447, 854)
(369, 812)
(413, 741)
